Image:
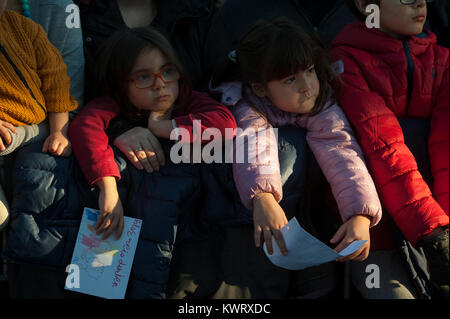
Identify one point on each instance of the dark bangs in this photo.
(287, 54)
(272, 51)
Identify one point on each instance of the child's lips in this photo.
(419, 18)
(306, 98)
(163, 97)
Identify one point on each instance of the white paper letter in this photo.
(73, 19)
(73, 278)
(373, 19)
(373, 280)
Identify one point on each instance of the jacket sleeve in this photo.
(438, 148)
(52, 71)
(256, 168)
(340, 157)
(90, 142)
(403, 192)
(203, 113)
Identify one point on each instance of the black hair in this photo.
(274, 50)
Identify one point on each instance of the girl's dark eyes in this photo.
(290, 80)
(168, 71)
(310, 70)
(143, 77)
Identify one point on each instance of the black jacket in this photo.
(324, 17)
(438, 20)
(185, 24)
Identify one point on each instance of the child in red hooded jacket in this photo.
(393, 72)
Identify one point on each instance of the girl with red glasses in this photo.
(142, 87)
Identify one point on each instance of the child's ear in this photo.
(258, 89)
(361, 6)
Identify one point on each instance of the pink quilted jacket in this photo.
(330, 137)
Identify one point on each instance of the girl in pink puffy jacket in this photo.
(279, 75)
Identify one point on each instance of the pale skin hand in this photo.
(150, 158)
(356, 228)
(5, 136)
(111, 210)
(57, 143)
(268, 218)
(160, 124)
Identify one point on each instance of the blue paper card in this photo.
(103, 266)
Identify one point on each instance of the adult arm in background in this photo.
(402, 190)
(67, 38)
(52, 72)
(55, 88)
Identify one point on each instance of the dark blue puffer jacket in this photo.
(183, 201)
(49, 195)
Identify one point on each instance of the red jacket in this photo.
(91, 145)
(385, 79)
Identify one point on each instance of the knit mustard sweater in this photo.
(41, 65)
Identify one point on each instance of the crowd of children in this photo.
(144, 77)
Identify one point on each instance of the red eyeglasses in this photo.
(167, 74)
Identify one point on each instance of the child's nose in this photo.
(304, 86)
(158, 83)
(420, 3)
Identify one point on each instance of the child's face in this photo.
(296, 93)
(160, 78)
(399, 19)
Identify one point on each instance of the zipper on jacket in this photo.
(410, 71)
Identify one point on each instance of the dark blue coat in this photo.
(49, 195)
(183, 201)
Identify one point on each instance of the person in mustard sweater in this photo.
(35, 98)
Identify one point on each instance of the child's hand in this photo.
(160, 123)
(356, 228)
(160, 116)
(57, 144)
(141, 148)
(5, 136)
(111, 210)
(268, 218)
